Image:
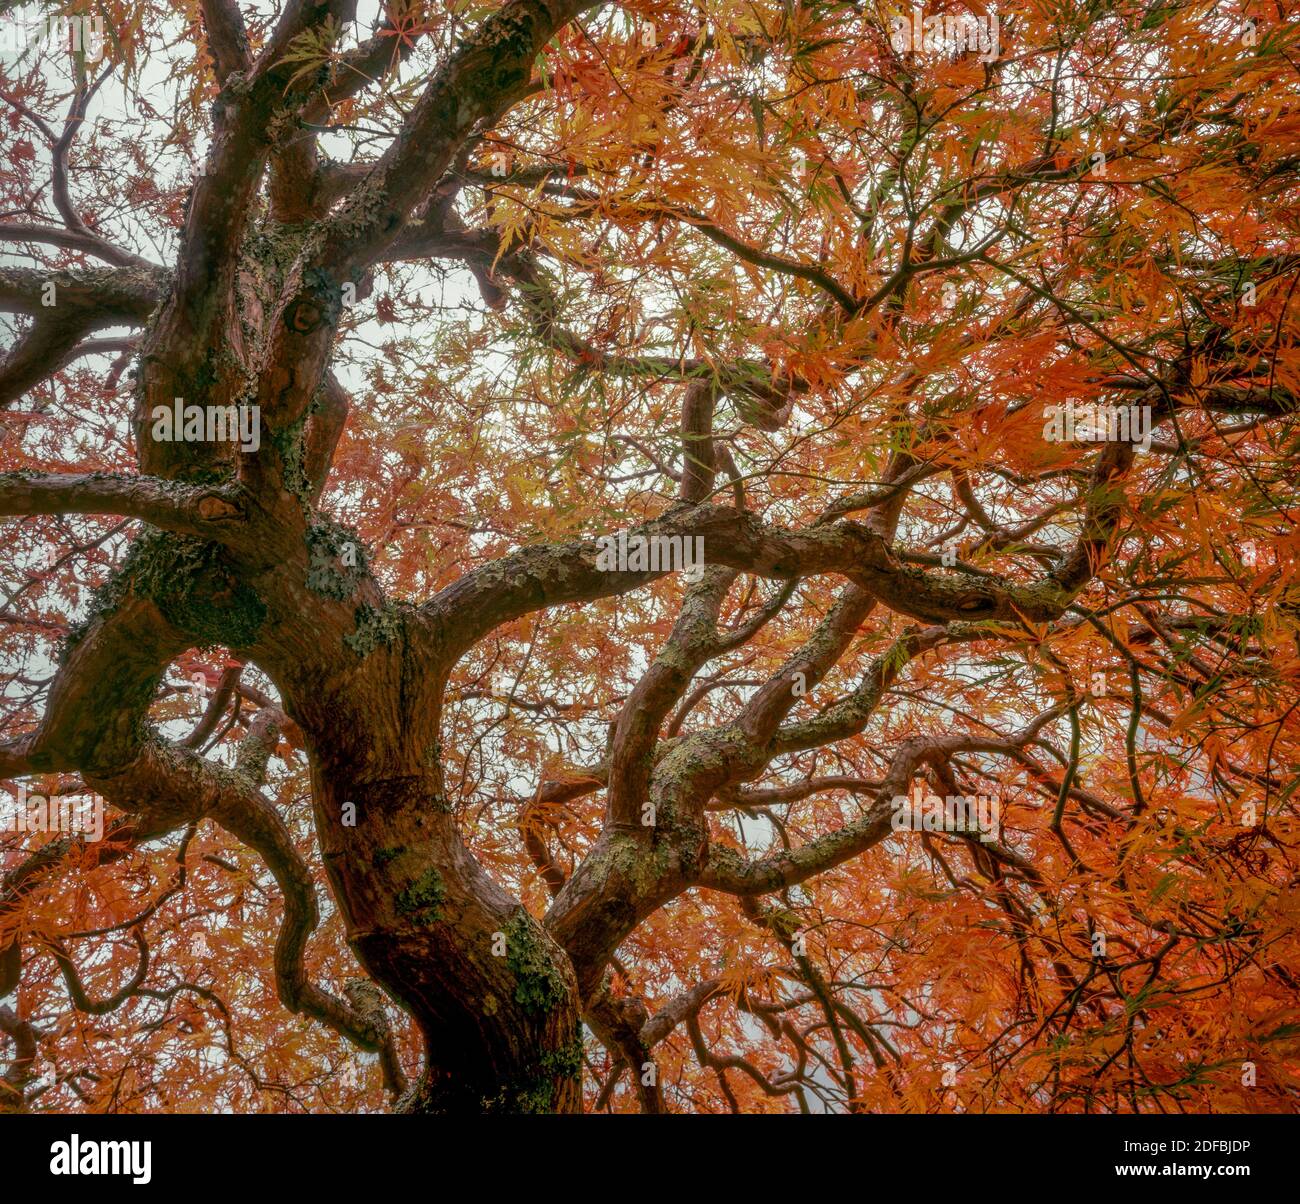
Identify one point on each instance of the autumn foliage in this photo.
(410, 802)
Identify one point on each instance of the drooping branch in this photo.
(41, 352)
(66, 306)
(179, 786)
(101, 297)
(539, 577)
(204, 511)
(728, 871)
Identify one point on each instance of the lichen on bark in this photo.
(328, 572)
(539, 987)
(375, 628)
(422, 900)
(190, 583)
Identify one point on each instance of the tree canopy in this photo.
(719, 556)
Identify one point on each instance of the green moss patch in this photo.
(538, 985)
(189, 582)
(423, 899)
(327, 574)
(374, 628)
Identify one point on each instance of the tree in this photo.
(673, 556)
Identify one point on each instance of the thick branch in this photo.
(206, 511)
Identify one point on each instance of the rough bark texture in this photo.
(237, 552)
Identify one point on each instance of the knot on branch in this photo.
(214, 508)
